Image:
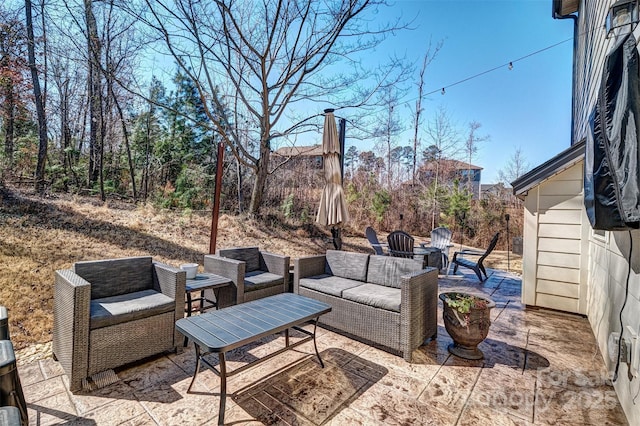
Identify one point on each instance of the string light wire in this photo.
(508, 64)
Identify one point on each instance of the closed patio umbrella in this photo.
(333, 207)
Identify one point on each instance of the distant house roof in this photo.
(451, 165)
(293, 151)
(560, 162)
(486, 187)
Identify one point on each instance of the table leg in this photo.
(188, 303)
(201, 301)
(195, 373)
(223, 388)
(186, 339)
(216, 294)
(315, 326)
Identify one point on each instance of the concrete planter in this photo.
(467, 320)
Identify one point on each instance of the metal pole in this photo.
(507, 217)
(216, 199)
(341, 137)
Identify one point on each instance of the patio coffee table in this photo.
(228, 328)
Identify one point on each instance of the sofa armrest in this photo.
(418, 309)
(171, 282)
(307, 266)
(276, 264)
(228, 268)
(71, 319)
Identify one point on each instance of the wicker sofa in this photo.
(389, 301)
(108, 313)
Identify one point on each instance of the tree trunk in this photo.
(9, 120)
(95, 99)
(42, 122)
(261, 177)
(66, 157)
(240, 198)
(128, 148)
(147, 154)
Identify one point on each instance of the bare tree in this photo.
(515, 167)
(94, 86)
(389, 128)
(444, 143)
(12, 67)
(42, 120)
(275, 55)
(116, 64)
(429, 56)
(471, 146)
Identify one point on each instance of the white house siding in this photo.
(554, 247)
(606, 293)
(607, 266)
(591, 50)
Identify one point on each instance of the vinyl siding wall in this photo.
(591, 50)
(608, 263)
(555, 250)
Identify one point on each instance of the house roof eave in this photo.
(564, 7)
(560, 162)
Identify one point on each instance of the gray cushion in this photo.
(386, 270)
(375, 295)
(257, 280)
(249, 255)
(347, 264)
(112, 277)
(328, 284)
(128, 307)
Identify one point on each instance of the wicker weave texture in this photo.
(401, 332)
(71, 296)
(130, 341)
(235, 270)
(133, 274)
(83, 352)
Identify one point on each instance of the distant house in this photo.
(298, 170)
(497, 191)
(297, 156)
(568, 265)
(449, 170)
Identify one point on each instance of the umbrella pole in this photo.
(337, 238)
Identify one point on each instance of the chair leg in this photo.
(481, 266)
(477, 271)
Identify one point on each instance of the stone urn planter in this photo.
(467, 320)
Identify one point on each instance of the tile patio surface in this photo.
(540, 367)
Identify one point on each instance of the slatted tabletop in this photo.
(206, 280)
(226, 329)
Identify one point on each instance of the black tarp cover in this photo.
(612, 176)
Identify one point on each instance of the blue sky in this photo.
(527, 107)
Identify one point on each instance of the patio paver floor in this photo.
(540, 367)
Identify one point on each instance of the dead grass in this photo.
(39, 235)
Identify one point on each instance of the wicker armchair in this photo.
(255, 274)
(108, 313)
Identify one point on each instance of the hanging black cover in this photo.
(612, 176)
